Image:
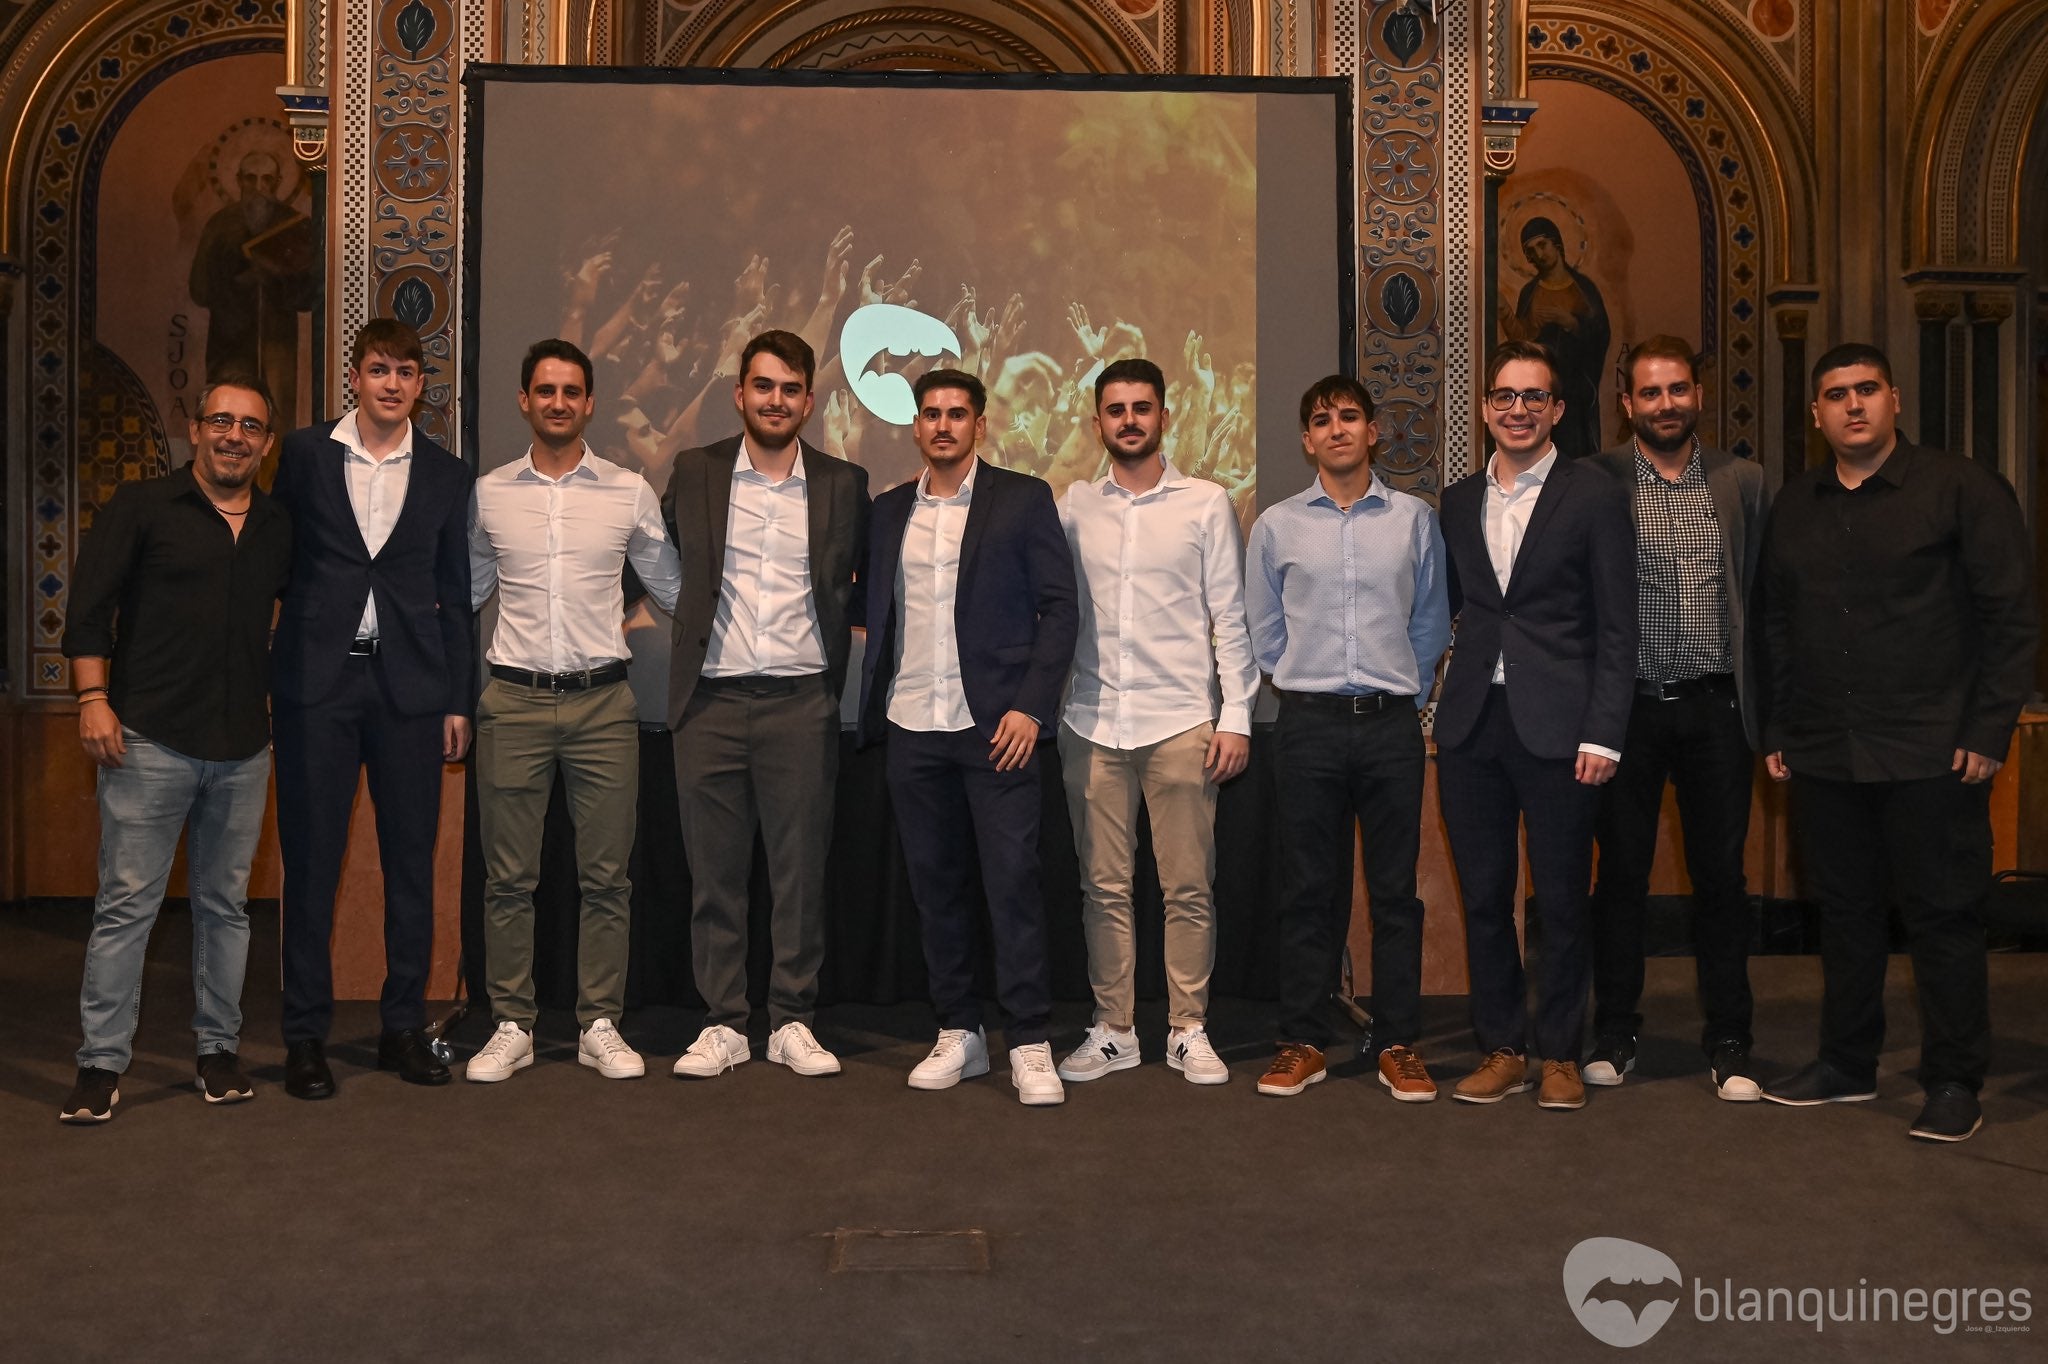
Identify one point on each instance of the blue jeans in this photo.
(144, 804)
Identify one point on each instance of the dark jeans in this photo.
(321, 753)
(952, 809)
(758, 754)
(1924, 846)
(1696, 743)
(1337, 767)
(1487, 783)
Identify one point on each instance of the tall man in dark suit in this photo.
(1899, 630)
(771, 532)
(1532, 716)
(1699, 519)
(972, 619)
(373, 670)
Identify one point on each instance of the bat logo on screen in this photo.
(891, 329)
(1622, 1292)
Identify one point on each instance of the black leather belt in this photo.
(560, 682)
(1707, 684)
(363, 648)
(1371, 704)
(760, 684)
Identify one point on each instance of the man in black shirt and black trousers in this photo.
(1899, 632)
(169, 641)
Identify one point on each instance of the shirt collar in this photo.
(1893, 471)
(1695, 470)
(965, 494)
(1168, 477)
(1375, 490)
(743, 463)
(585, 467)
(350, 434)
(1535, 474)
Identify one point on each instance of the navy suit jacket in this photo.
(425, 629)
(1015, 614)
(1566, 623)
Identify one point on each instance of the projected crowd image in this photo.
(1134, 234)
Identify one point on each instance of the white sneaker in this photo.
(510, 1049)
(792, 1045)
(1188, 1051)
(1031, 1071)
(958, 1055)
(603, 1050)
(1103, 1050)
(717, 1049)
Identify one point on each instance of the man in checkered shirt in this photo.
(1699, 519)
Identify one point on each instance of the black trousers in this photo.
(1487, 784)
(1337, 767)
(1924, 846)
(758, 755)
(1697, 744)
(321, 752)
(952, 809)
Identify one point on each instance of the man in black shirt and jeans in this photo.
(169, 641)
(1899, 632)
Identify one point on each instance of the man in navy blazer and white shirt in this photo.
(1532, 715)
(971, 619)
(372, 668)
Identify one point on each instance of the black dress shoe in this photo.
(409, 1053)
(306, 1075)
(1820, 1083)
(1951, 1114)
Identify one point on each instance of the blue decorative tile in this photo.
(1743, 236)
(1743, 309)
(50, 585)
(1729, 166)
(1639, 60)
(110, 68)
(1571, 39)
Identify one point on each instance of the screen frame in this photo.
(478, 77)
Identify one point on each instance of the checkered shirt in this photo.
(1681, 576)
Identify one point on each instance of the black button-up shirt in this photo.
(182, 607)
(1899, 618)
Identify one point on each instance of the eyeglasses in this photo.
(220, 423)
(1502, 399)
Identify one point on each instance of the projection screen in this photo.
(1027, 228)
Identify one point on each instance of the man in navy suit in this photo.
(1532, 715)
(372, 670)
(971, 619)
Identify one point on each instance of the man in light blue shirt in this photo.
(1344, 586)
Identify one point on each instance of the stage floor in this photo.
(560, 1216)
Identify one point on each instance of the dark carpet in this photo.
(560, 1216)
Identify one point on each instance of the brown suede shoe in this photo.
(1499, 1075)
(1404, 1075)
(1561, 1086)
(1296, 1068)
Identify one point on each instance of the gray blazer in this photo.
(1740, 504)
(697, 508)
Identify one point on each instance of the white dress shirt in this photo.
(376, 490)
(553, 549)
(767, 620)
(1508, 510)
(926, 693)
(1163, 645)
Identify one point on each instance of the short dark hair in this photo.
(1331, 390)
(386, 336)
(243, 380)
(1132, 369)
(555, 348)
(1851, 353)
(951, 378)
(1660, 347)
(1508, 351)
(788, 347)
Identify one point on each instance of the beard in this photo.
(1139, 455)
(259, 212)
(761, 438)
(1646, 432)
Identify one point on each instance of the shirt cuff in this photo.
(1235, 720)
(1612, 755)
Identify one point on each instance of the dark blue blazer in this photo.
(426, 631)
(1015, 614)
(1566, 624)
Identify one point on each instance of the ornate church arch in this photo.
(1970, 136)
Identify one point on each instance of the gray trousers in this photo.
(758, 753)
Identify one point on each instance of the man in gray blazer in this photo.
(1699, 521)
(772, 533)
